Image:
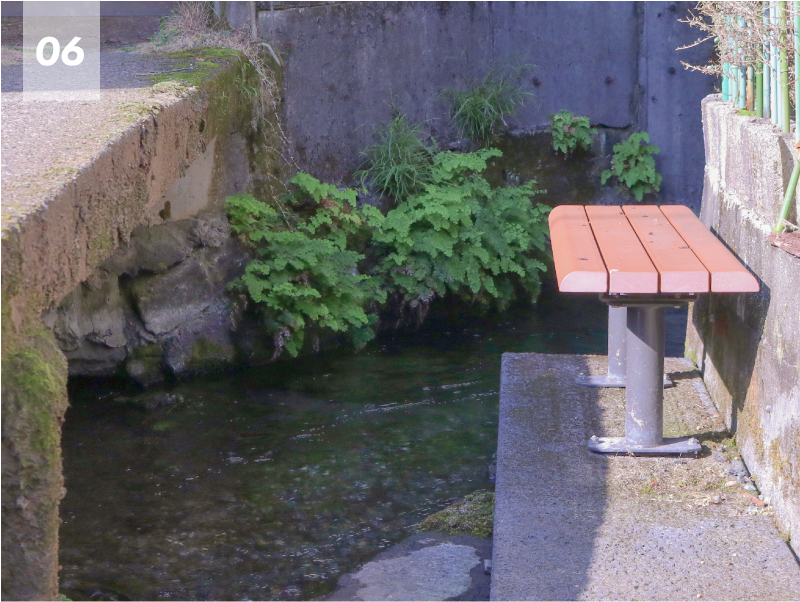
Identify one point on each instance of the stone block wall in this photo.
(748, 345)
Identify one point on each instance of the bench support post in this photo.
(644, 395)
(617, 353)
(644, 399)
(617, 343)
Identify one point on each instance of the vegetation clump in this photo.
(570, 133)
(463, 237)
(323, 263)
(474, 515)
(305, 271)
(399, 164)
(480, 111)
(634, 166)
(193, 28)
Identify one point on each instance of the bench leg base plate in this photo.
(682, 446)
(611, 381)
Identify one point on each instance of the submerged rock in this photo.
(149, 401)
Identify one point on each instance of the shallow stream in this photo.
(272, 482)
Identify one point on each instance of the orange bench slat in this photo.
(679, 268)
(579, 266)
(629, 267)
(728, 275)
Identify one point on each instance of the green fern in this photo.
(459, 237)
(462, 237)
(306, 275)
(634, 166)
(570, 133)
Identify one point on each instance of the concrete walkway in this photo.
(572, 525)
(45, 145)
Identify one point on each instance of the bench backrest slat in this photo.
(727, 273)
(579, 266)
(680, 269)
(629, 267)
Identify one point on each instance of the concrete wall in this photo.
(748, 345)
(196, 150)
(613, 61)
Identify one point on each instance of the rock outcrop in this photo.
(159, 307)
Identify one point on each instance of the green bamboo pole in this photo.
(797, 70)
(787, 199)
(760, 91)
(784, 68)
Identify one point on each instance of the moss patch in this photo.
(205, 52)
(34, 376)
(207, 354)
(34, 400)
(474, 515)
(144, 364)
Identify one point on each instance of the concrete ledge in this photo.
(78, 177)
(746, 345)
(572, 525)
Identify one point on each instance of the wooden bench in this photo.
(641, 259)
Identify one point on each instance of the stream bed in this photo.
(272, 482)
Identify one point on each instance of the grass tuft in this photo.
(399, 164)
(479, 112)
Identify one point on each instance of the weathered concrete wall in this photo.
(748, 345)
(613, 61)
(140, 178)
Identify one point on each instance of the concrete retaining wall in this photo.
(615, 62)
(178, 161)
(748, 345)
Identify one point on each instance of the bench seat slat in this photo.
(728, 275)
(579, 266)
(629, 267)
(679, 269)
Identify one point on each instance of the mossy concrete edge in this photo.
(49, 252)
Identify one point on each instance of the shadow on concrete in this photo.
(731, 327)
(550, 492)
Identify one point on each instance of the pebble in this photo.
(720, 458)
(749, 487)
(738, 466)
(679, 461)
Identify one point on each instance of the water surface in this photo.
(272, 482)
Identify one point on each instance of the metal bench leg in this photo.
(617, 353)
(644, 396)
(644, 399)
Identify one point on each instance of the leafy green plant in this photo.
(321, 263)
(570, 133)
(633, 165)
(463, 237)
(165, 34)
(305, 273)
(399, 164)
(479, 111)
